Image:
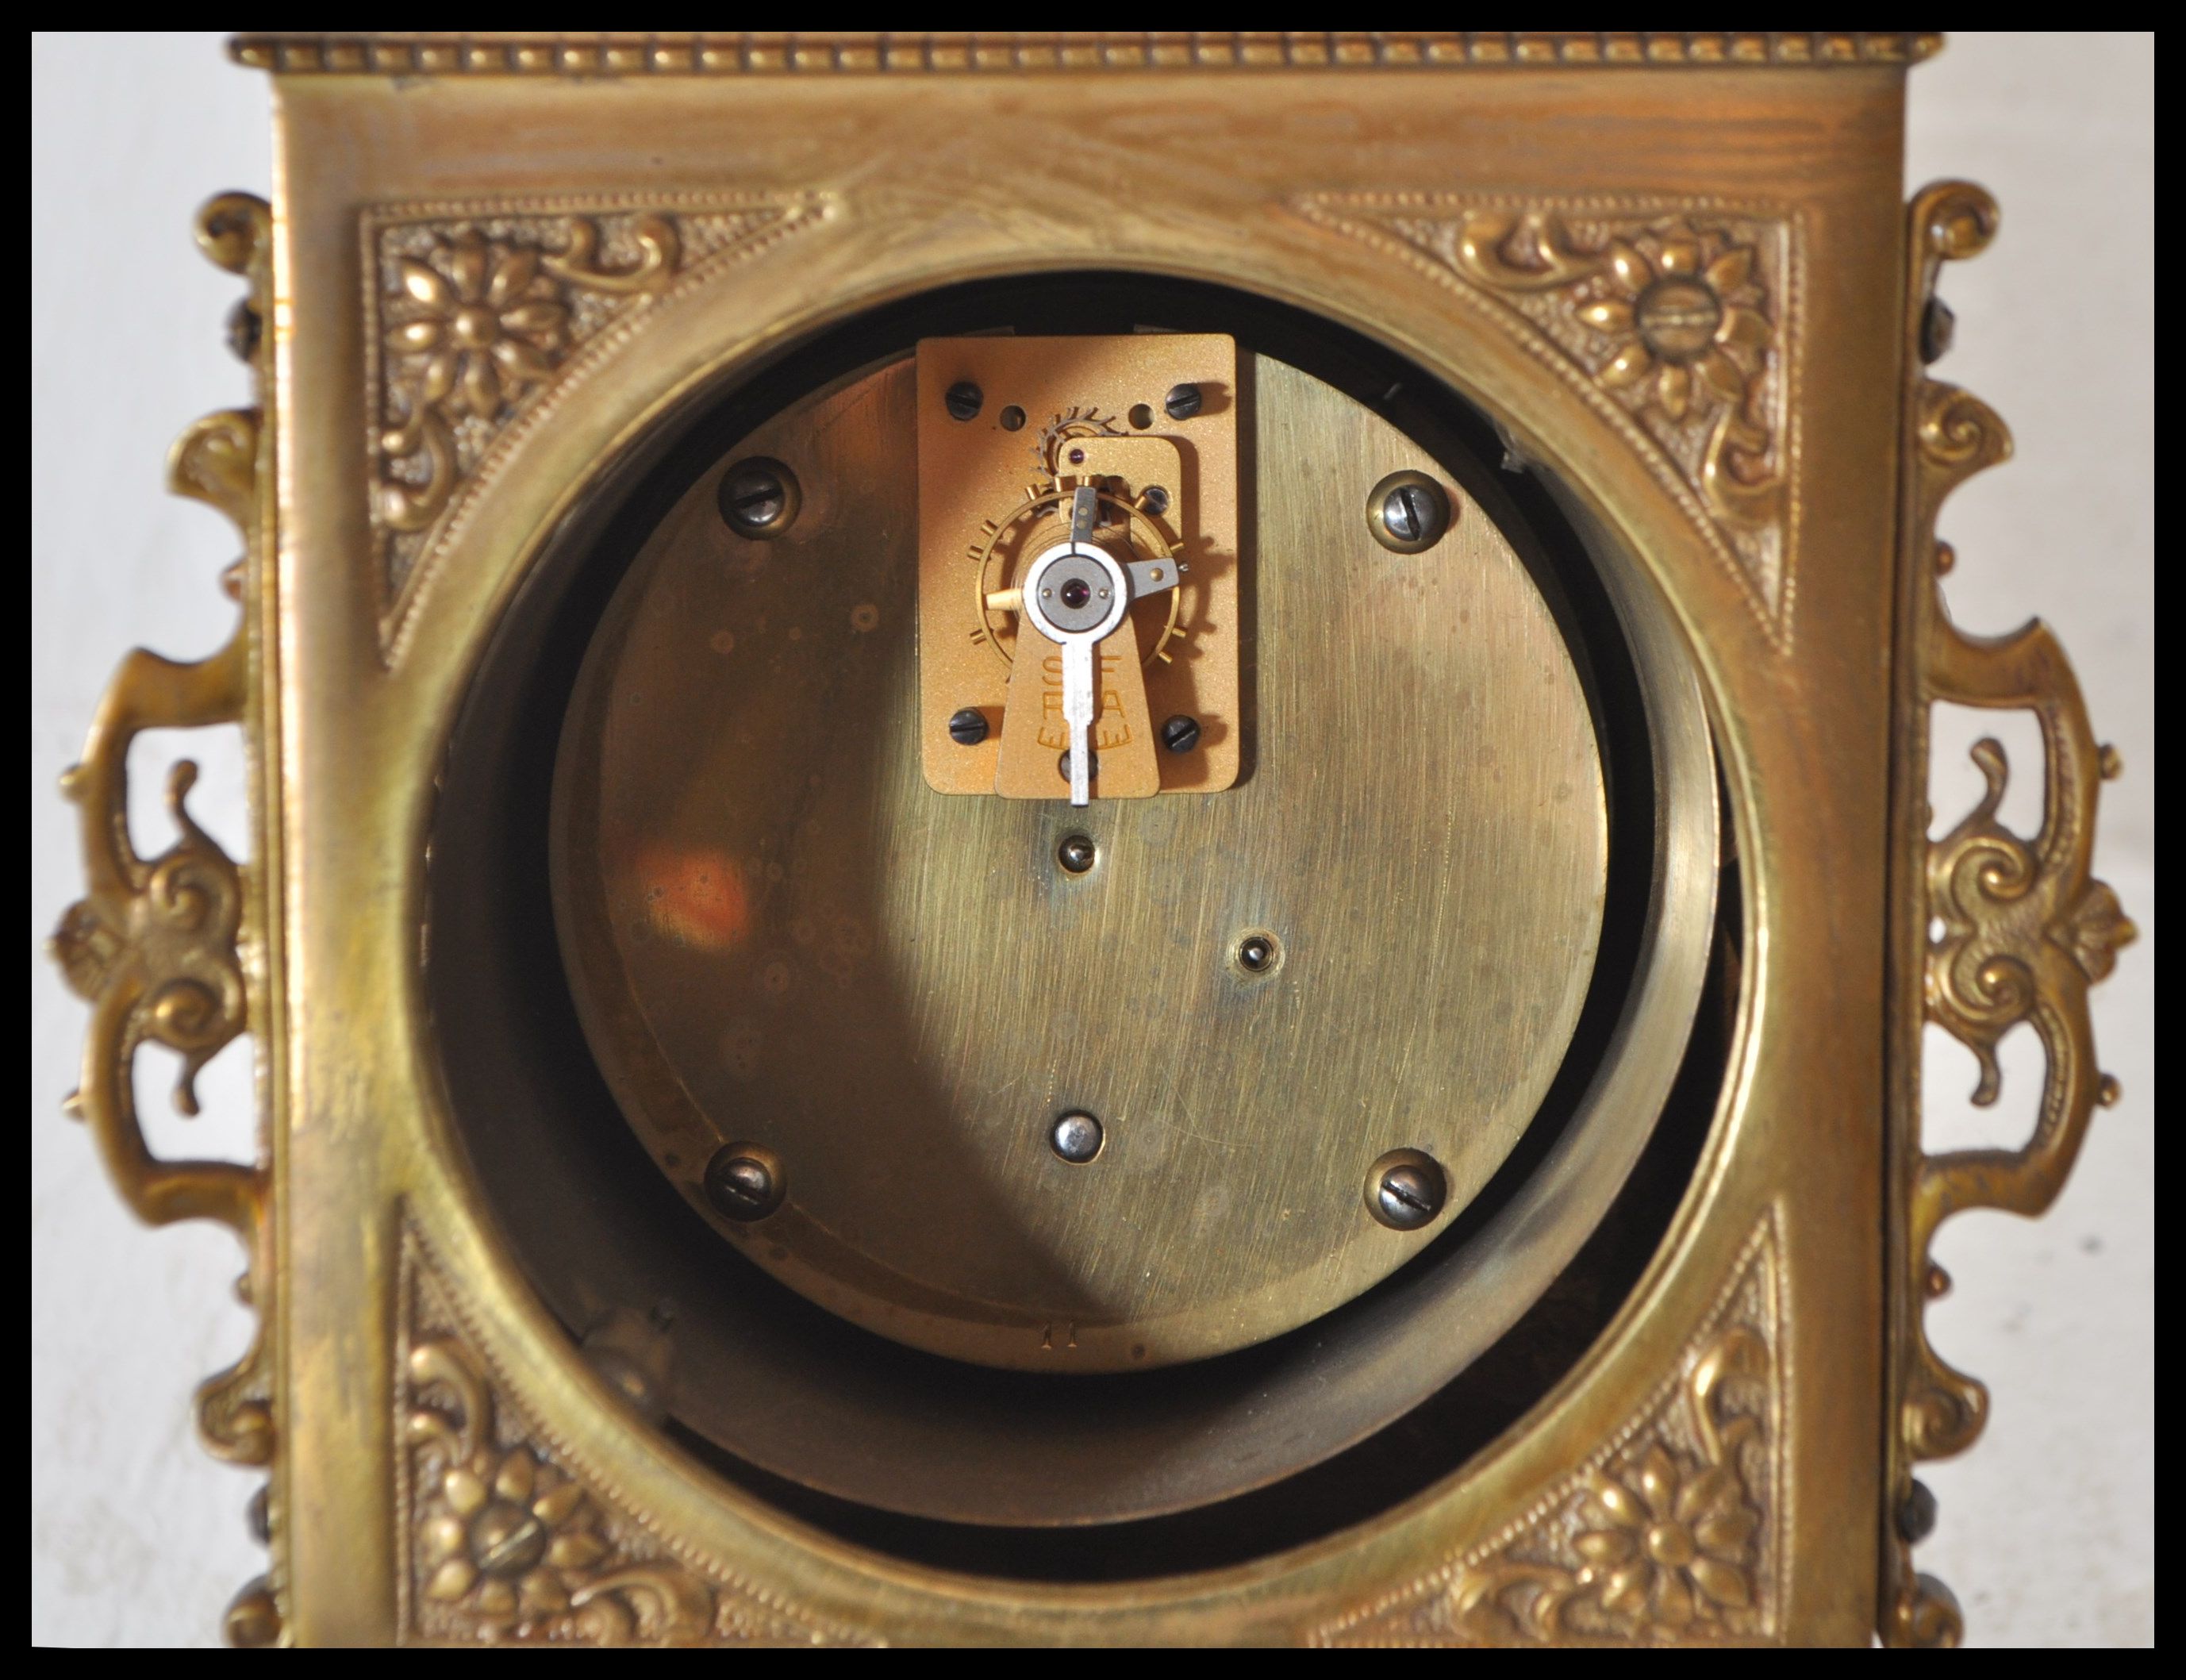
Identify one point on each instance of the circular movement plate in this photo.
(1373, 947)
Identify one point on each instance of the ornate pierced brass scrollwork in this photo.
(1999, 930)
(157, 946)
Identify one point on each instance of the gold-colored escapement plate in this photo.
(780, 934)
(1059, 412)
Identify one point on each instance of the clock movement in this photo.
(1091, 838)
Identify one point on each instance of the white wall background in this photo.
(137, 1538)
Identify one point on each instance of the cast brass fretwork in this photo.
(2006, 930)
(1678, 321)
(444, 52)
(1665, 264)
(507, 1542)
(162, 947)
(1666, 1535)
(483, 310)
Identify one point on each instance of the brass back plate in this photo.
(780, 934)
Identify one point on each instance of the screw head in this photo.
(1408, 513)
(1405, 1190)
(759, 498)
(1183, 402)
(1916, 1515)
(1078, 854)
(1062, 763)
(1076, 1137)
(967, 727)
(1256, 953)
(1404, 515)
(743, 1182)
(244, 326)
(1180, 734)
(1676, 317)
(964, 401)
(1154, 498)
(506, 1539)
(1938, 325)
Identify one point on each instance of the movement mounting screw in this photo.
(1405, 1190)
(1408, 513)
(964, 401)
(1183, 402)
(743, 1184)
(967, 727)
(759, 498)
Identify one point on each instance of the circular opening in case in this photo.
(714, 972)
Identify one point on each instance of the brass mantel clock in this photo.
(1089, 838)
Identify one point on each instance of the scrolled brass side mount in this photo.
(1992, 930)
(164, 947)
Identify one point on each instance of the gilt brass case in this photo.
(503, 276)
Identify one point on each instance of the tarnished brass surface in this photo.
(836, 194)
(778, 931)
(498, 262)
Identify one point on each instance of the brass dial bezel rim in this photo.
(1663, 991)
